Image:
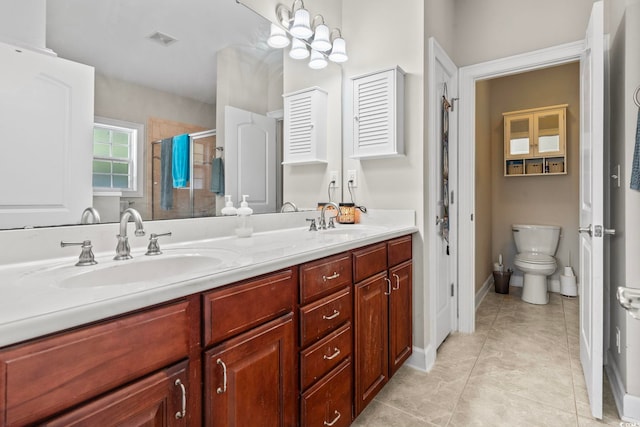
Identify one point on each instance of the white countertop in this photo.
(33, 303)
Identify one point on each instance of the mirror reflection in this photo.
(163, 65)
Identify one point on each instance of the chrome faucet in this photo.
(285, 204)
(123, 251)
(90, 212)
(323, 223)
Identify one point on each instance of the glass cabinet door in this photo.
(518, 136)
(549, 138)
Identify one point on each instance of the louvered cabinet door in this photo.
(378, 100)
(305, 127)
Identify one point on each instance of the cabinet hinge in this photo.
(452, 290)
(471, 217)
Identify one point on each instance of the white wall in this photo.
(491, 29)
(23, 23)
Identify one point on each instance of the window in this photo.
(117, 157)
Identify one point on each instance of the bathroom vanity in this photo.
(306, 336)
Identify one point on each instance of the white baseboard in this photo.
(484, 289)
(628, 405)
(422, 359)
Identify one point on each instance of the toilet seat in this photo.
(535, 258)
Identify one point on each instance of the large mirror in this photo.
(165, 69)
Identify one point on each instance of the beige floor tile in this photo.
(521, 367)
(488, 406)
(378, 414)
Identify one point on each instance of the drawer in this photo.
(54, 373)
(242, 306)
(324, 315)
(329, 401)
(324, 276)
(325, 355)
(369, 261)
(399, 250)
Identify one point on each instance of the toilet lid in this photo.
(534, 258)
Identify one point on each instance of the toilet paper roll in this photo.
(568, 285)
(568, 271)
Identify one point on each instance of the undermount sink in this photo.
(172, 265)
(351, 230)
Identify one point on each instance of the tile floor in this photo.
(520, 368)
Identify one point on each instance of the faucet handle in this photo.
(154, 247)
(86, 254)
(331, 222)
(312, 226)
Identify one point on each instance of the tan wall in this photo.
(535, 199)
(484, 167)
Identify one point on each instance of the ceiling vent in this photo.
(162, 38)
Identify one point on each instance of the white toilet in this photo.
(536, 246)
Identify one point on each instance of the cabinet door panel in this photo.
(153, 401)
(94, 359)
(399, 250)
(369, 261)
(324, 276)
(371, 339)
(400, 328)
(324, 315)
(329, 401)
(237, 308)
(325, 355)
(252, 377)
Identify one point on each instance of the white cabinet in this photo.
(305, 127)
(46, 118)
(378, 114)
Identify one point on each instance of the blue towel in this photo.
(217, 176)
(635, 169)
(180, 161)
(166, 184)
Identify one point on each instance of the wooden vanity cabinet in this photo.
(48, 376)
(382, 315)
(250, 368)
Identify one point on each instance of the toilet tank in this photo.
(536, 238)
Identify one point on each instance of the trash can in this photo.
(501, 281)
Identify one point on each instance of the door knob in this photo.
(586, 229)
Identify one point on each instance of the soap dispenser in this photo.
(228, 209)
(244, 227)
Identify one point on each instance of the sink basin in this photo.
(171, 266)
(351, 231)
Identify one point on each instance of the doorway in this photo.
(500, 200)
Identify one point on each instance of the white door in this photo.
(250, 158)
(46, 120)
(591, 208)
(443, 81)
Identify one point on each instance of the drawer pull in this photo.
(388, 286)
(395, 288)
(335, 275)
(335, 420)
(182, 413)
(335, 314)
(333, 356)
(224, 377)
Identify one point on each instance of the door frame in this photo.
(538, 59)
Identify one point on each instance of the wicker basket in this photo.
(556, 167)
(534, 168)
(514, 169)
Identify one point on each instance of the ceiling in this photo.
(113, 36)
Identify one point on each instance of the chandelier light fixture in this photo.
(309, 37)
